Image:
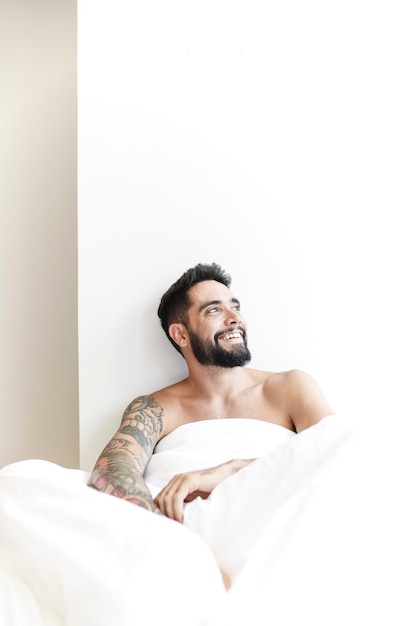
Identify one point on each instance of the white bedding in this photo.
(316, 531)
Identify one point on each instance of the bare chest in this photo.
(250, 404)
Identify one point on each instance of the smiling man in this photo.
(202, 319)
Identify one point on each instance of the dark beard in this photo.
(214, 355)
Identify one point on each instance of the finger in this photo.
(171, 498)
(171, 505)
(177, 496)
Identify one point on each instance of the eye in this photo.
(213, 309)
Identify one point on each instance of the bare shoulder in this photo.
(169, 400)
(299, 392)
(294, 379)
(297, 378)
(149, 418)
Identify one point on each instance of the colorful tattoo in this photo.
(120, 467)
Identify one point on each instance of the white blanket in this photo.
(210, 442)
(72, 556)
(316, 531)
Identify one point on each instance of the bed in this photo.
(318, 530)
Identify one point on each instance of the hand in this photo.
(188, 486)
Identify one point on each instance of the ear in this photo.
(178, 333)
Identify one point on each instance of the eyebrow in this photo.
(215, 302)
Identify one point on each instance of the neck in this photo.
(211, 380)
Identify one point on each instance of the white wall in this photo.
(38, 232)
(277, 139)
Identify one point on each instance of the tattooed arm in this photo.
(120, 467)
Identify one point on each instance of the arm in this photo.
(120, 467)
(188, 486)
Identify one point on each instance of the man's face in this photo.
(216, 328)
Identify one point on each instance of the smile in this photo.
(228, 336)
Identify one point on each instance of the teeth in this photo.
(232, 336)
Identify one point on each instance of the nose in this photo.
(233, 318)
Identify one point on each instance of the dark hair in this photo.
(175, 302)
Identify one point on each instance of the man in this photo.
(202, 319)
